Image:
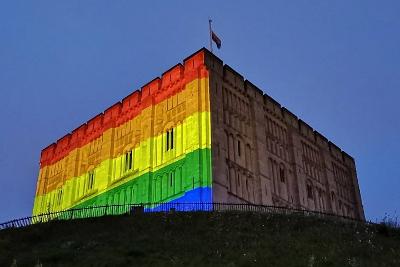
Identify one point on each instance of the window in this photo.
(170, 139)
(128, 161)
(167, 140)
(238, 147)
(282, 174)
(309, 191)
(90, 183)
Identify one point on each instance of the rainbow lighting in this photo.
(152, 147)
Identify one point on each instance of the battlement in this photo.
(160, 88)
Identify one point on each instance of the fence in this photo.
(99, 211)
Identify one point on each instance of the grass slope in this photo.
(201, 239)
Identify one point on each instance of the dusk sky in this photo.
(335, 64)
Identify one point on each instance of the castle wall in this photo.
(264, 154)
(153, 146)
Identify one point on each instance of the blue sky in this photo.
(333, 63)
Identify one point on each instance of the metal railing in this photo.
(109, 210)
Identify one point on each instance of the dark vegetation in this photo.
(201, 239)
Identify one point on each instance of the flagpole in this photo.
(209, 25)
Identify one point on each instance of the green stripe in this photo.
(188, 173)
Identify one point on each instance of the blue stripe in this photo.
(191, 201)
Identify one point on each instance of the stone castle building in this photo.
(200, 133)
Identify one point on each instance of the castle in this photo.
(199, 133)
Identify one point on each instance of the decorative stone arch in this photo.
(179, 138)
(231, 147)
(226, 144)
(91, 167)
(178, 179)
(158, 188)
(60, 195)
(127, 148)
(310, 189)
(169, 125)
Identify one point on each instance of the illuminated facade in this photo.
(200, 133)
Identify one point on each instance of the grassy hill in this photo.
(201, 239)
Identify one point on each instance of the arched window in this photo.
(282, 174)
(227, 145)
(128, 161)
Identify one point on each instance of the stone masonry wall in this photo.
(264, 154)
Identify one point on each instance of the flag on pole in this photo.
(213, 37)
(216, 40)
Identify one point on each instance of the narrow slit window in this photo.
(172, 138)
(309, 191)
(130, 160)
(126, 167)
(167, 140)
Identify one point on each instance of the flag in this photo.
(216, 40)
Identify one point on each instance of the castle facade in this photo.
(198, 133)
